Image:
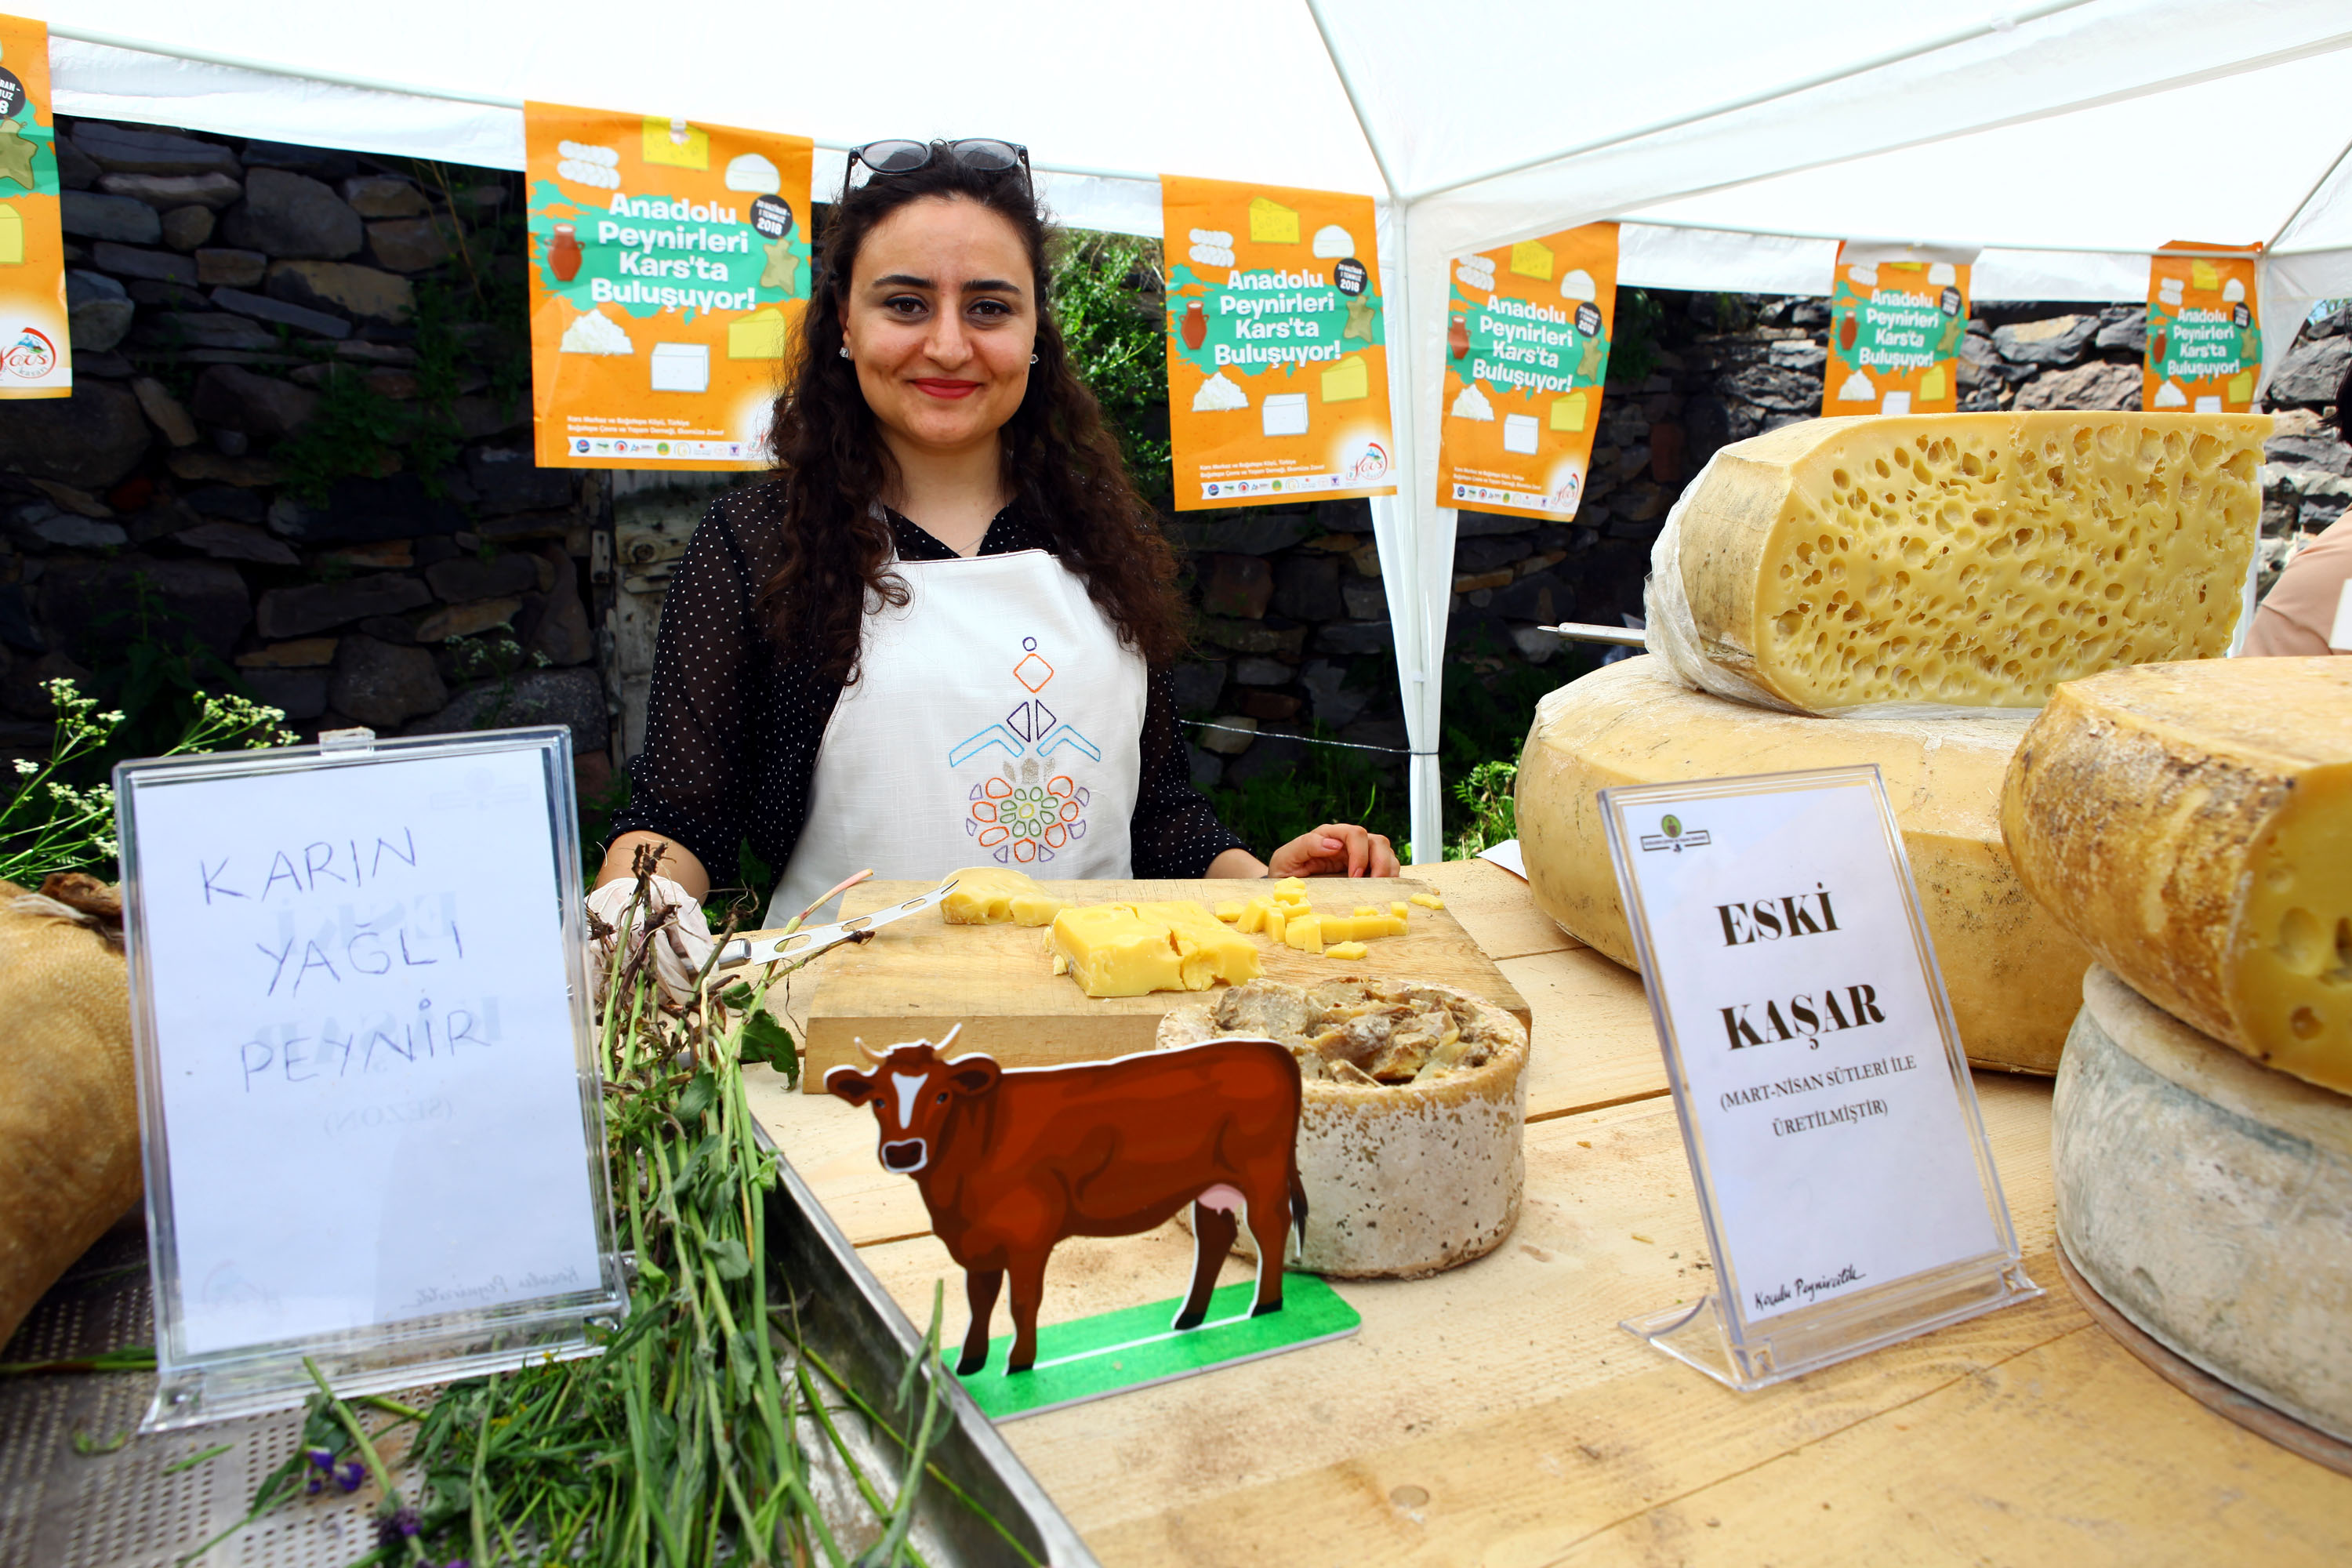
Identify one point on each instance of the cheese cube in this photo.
(1345, 950)
(995, 896)
(1427, 900)
(760, 335)
(1568, 413)
(1362, 927)
(1363, 910)
(1971, 558)
(1276, 920)
(1532, 259)
(1305, 932)
(1253, 913)
(1271, 223)
(1398, 907)
(2192, 824)
(1347, 381)
(1114, 952)
(1292, 886)
(1230, 912)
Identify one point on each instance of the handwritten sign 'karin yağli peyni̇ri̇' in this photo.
(361, 1062)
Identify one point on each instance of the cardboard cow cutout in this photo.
(1010, 1162)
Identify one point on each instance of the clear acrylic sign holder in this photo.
(369, 1096)
(1739, 1334)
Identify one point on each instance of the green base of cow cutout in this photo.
(1118, 1353)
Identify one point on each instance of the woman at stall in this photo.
(940, 635)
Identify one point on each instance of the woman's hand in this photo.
(1336, 849)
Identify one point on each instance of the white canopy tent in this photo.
(1738, 139)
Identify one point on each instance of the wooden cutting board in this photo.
(917, 979)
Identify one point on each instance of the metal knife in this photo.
(810, 941)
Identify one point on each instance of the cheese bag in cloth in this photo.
(1924, 566)
(68, 1105)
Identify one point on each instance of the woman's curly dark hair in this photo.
(1061, 463)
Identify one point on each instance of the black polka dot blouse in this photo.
(735, 722)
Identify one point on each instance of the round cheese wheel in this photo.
(1405, 1180)
(2208, 1199)
(2013, 972)
(2192, 824)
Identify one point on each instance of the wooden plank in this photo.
(918, 977)
(1593, 1045)
(1523, 1342)
(1495, 908)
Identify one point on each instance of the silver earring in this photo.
(1032, 358)
(845, 351)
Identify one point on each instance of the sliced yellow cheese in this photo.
(1271, 223)
(1363, 926)
(994, 895)
(1974, 559)
(1230, 912)
(2013, 972)
(2241, 387)
(1428, 900)
(1277, 919)
(1347, 381)
(2192, 825)
(660, 143)
(762, 334)
(1252, 915)
(1931, 384)
(1568, 413)
(1532, 259)
(1114, 952)
(1398, 907)
(1345, 950)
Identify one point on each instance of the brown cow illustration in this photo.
(1010, 1162)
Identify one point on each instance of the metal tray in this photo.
(121, 1507)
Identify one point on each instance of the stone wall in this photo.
(288, 424)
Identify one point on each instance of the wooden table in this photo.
(1497, 1415)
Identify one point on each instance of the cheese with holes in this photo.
(2208, 1199)
(2192, 824)
(1975, 559)
(995, 896)
(2013, 971)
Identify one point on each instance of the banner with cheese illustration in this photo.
(36, 359)
(2204, 331)
(1277, 363)
(1897, 319)
(669, 264)
(1528, 331)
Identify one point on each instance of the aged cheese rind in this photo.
(1972, 559)
(1406, 1180)
(2192, 825)
(2013, 971)
(2208, 1199)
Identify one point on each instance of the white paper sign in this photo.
(1837, 1152)
(363, 1044)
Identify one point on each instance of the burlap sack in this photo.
(69, 1110)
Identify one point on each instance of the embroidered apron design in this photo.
(996, 717)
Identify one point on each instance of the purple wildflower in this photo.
(350, 1474)
(392, 1529)
(312, 1489)
(324, 1458)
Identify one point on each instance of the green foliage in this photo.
(51, 823)
(1486, 791)
(355, 431)
(1330, 784)
(151, 667)
(1107, 296)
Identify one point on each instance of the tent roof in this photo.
(2068, 125)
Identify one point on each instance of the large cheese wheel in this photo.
(1975, 559)
(2192, 824)
(2013, 973)
(2208, 1200)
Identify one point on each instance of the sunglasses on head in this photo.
(899, 157)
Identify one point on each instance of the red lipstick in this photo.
(947, 389)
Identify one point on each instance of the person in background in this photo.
(2309, 602)
(941, 634)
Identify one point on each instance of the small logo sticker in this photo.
(1671, 835)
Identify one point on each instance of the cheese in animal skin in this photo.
(1972, 559)
(2206, 1199)
(994, 895)
(2192, 825)
(2011, 970)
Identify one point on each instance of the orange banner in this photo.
(1277, 364)
(36, 357)
(2204, 331)
(1526, 348)
(1896, 317)
(670, 265)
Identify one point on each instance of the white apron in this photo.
(996, 720)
